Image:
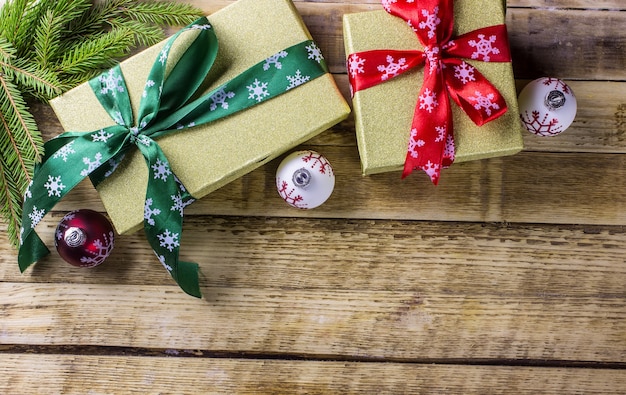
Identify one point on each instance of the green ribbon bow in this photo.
(164, 108)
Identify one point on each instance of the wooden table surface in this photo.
(509, 277)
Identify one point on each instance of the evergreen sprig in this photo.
(48, 47)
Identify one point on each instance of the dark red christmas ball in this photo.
(84, 238)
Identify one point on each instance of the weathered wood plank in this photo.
(557, 43)
(322, 324)
(368, 255)
(69, 374)
(613, 5)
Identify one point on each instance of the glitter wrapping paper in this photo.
(210, 156)
(383, 113)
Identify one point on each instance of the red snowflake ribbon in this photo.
(446, 75)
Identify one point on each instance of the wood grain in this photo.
(77, 374)
(377, 255)
(392, 325)
(398, 286)
(69, 374)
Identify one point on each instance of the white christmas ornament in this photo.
(547, 106)
(305, 179)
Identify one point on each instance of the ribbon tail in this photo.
(188, 279)
(166, 198)
(473, 92)
(431, 147)
(32, 250)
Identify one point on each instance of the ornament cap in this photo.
(301, 178)
(554, 100)
(305, 179)
(74, 236)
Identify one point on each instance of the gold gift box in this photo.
(383, 113)
(207, 157)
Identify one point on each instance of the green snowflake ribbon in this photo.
(164, 108)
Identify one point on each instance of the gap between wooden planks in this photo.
(68, 374)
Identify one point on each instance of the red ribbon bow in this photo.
(446, 75)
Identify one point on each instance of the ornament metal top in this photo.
(84, 238)
(547, 106)
(305, 179)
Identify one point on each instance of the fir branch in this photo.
(46, 39)
(7, 52)
(94, 19)
(13, 14)
(97, 53)
(40, 83)
(20, 145)
(11, 209)
(160, 13)
(143, 34)
(21, 124)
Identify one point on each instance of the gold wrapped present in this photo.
(384, 113)
(209, 156)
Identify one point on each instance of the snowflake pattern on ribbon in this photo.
(64, 151)
(464, 73)
(428, 101)
(111, 83)
(149, 84)
(150, 212)
(163, 55)
(36, 216)
(387, 4)
(168, 240)
(91, 164)
(258, 90)
(442, 133)
(179, 203)
(414, 143)
(275, 60)
(297, 80)
(161, 170)
(355, 65)
(315, 53)
(485, 103)
(163, 261)
(220, 98)
(392, 68)
(54, 186)
(484, 47)
(431, 21)
(101, 136)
